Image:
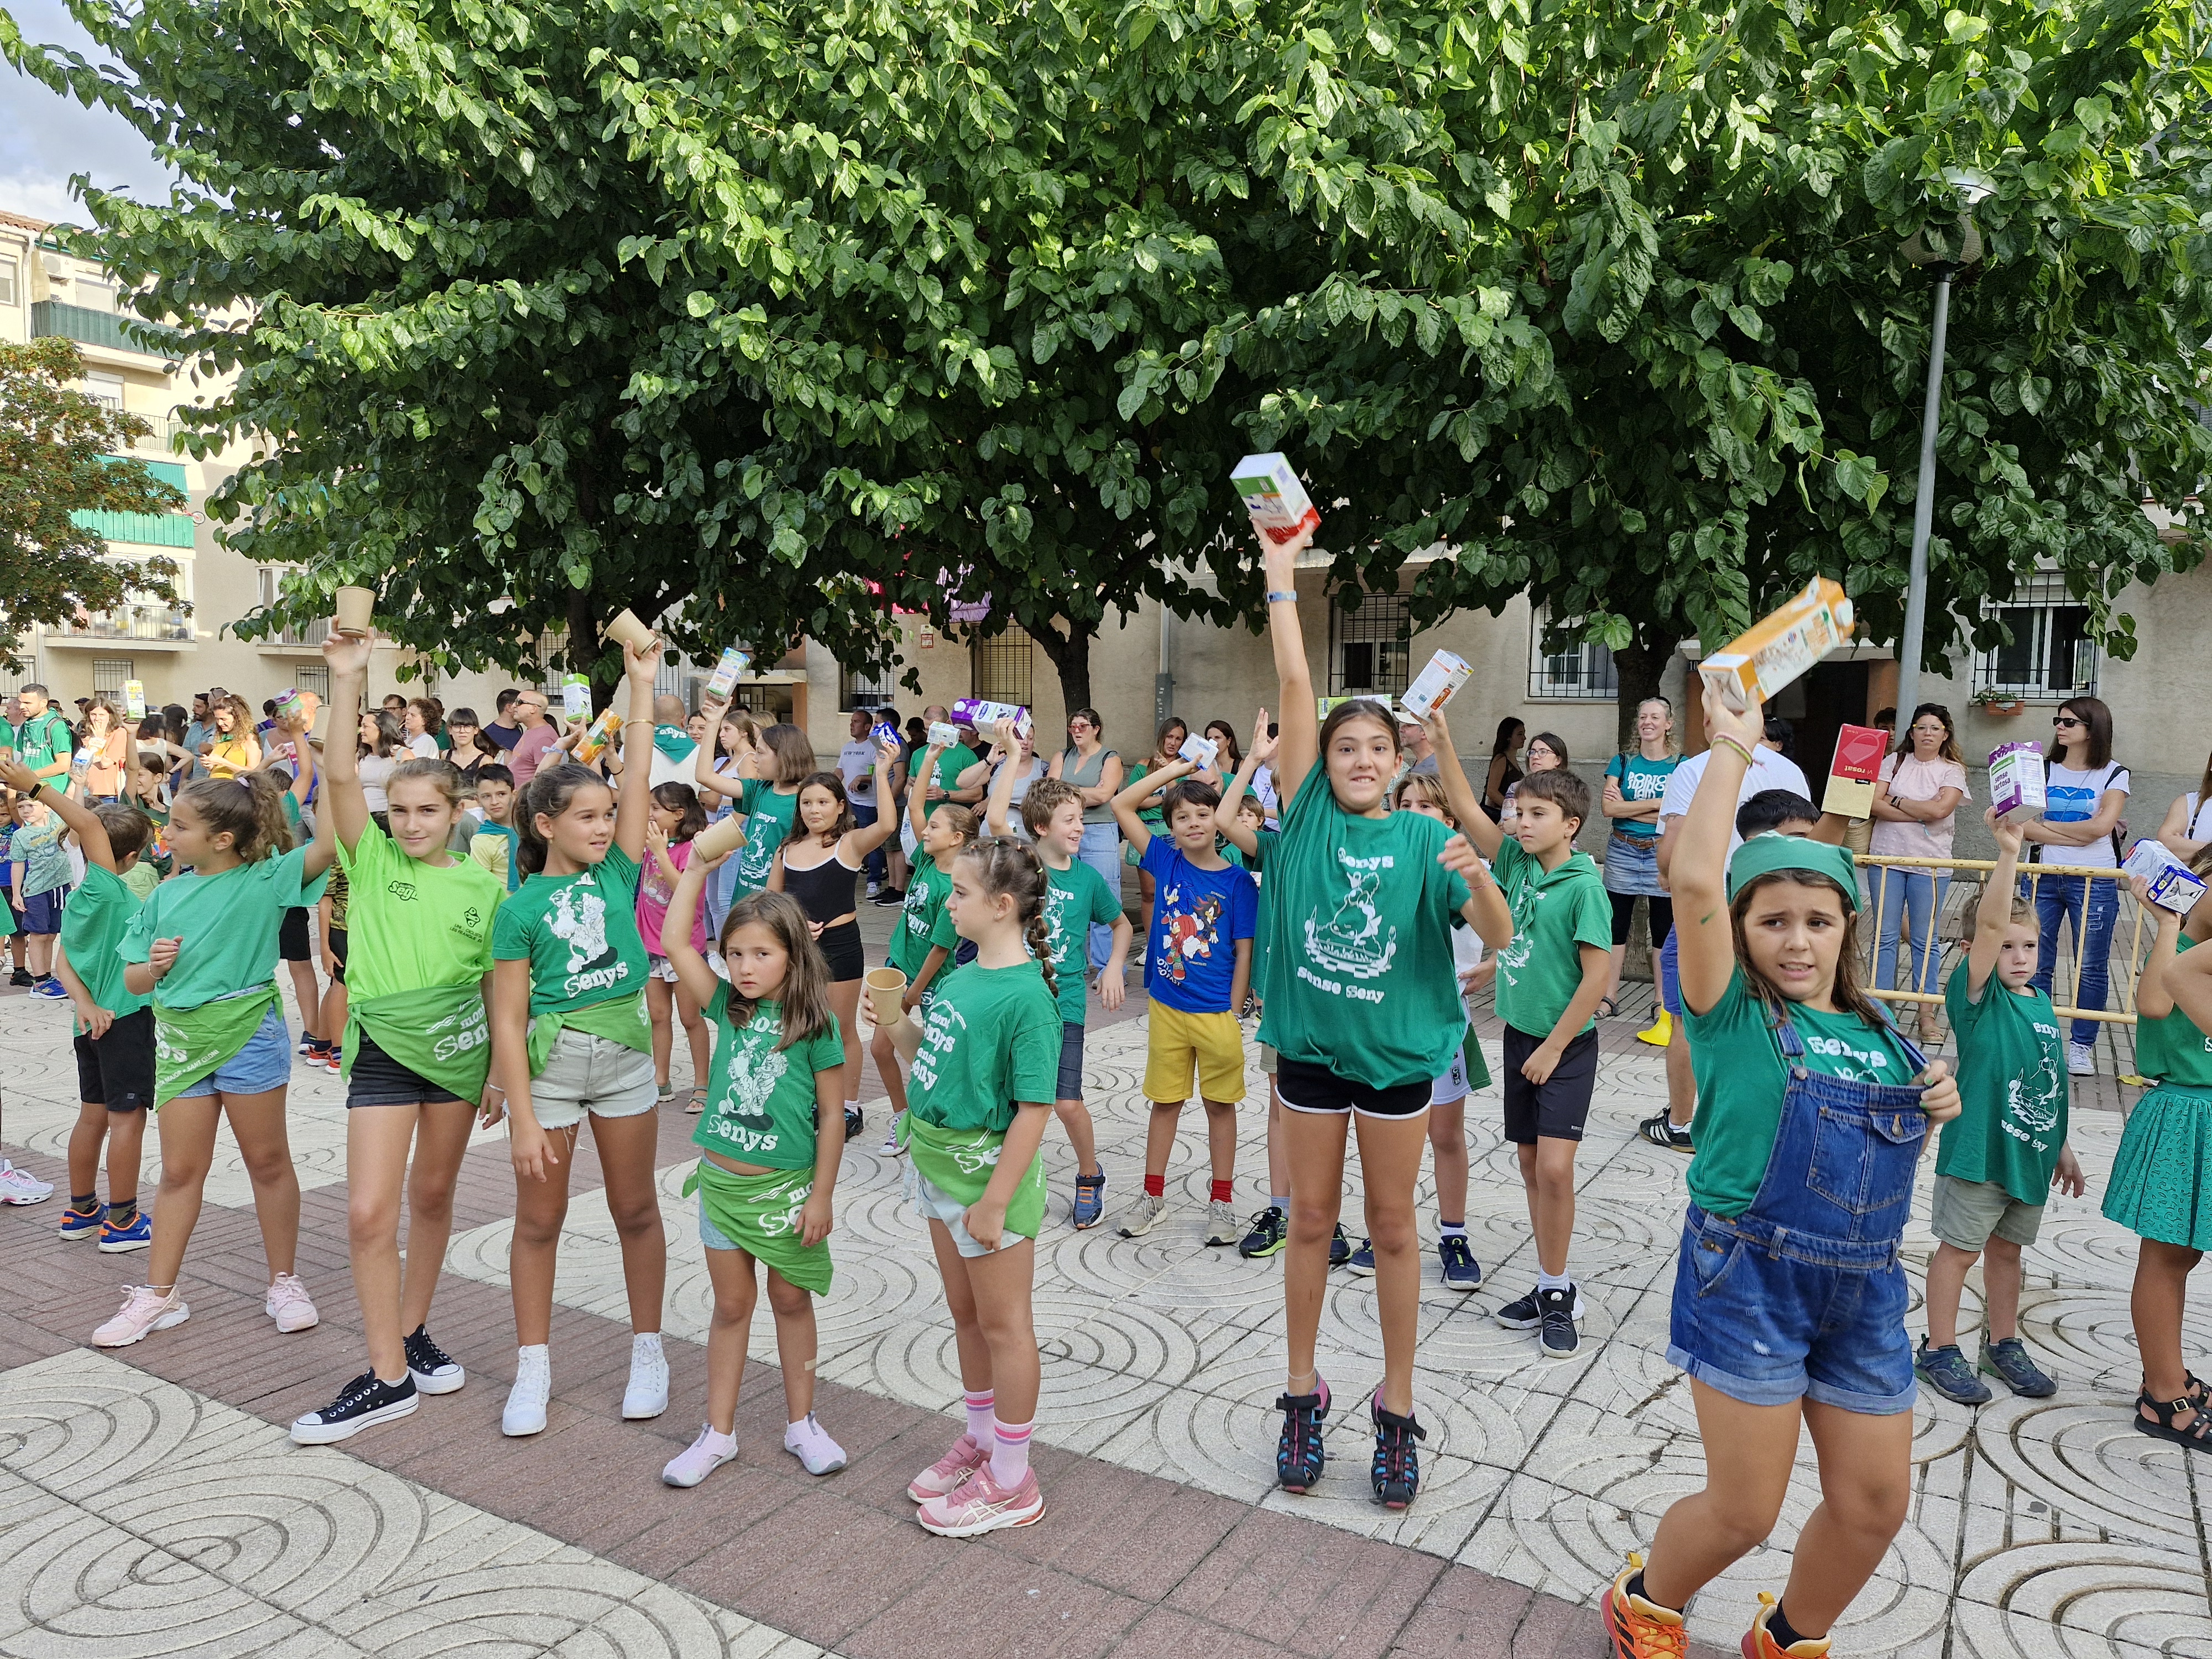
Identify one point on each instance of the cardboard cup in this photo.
(627, 630)
(886, 986)
(718, 838)
(356, 606)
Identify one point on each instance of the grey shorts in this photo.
(593, 1074)
(1968, 1213)
(1266, 1060)
(937, 1204)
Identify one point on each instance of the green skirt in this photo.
(2161, 1184)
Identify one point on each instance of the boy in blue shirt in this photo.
(1197, 966)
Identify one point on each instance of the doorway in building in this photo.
(1834, 697)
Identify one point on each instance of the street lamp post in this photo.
(1946, 261)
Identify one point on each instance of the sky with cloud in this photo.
(45, 137)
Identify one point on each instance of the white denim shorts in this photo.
(593, 1074)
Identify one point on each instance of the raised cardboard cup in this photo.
(721, 837)
(628, 630)
(357, 605)
(886, 986)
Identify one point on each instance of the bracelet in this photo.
(1282, 596)
(1736, 744)
(628, 724)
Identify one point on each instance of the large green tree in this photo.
(63, 456)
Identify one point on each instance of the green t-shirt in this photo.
(1262, 927)
(2011, 1126)
(7, 737)
(99, 913)
(950, 765)
(1360, 913)
(230, 922)
(991, 1041)
(1075, 898)
(768, 821)
(763, 1110)
(1740, 1080)
(1555, 912)
(578, 933)
(1154, 818)
(1640, 780)
(918, 916)
(141, 879)
(2172, 1049)
(410, 924)
(41, 741)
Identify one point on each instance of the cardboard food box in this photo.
(134, 700)
(884, 732)
(943, 734)
(983, 715)
(727, 672)
(1780, 646)
(2017, 783)
(2171, 886)
(1855, 771)
(1278, 502)
(1198, 749)
(1436, 685)
(594, 742)
(575, 696)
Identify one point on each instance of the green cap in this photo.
(1772, 852)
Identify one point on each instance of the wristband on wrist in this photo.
(1282, 596)
(1736, 744)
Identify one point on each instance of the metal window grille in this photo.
(1001, 668)
(550, 644)
(317, 680)
(869, 692)
(1370, 649)
(1582, 671)
(2050, 655)
(108, 674)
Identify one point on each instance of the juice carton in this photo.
(1200, 749)
(593, 744)
(2171, 886)
(727, 672)
(943, 734)
(289, 703)
(575, 696)
(134, 700)
(1855, 771)
(1278, 502)
(1780, 646)
(982, 715)
(885, 732)
(1437, 684)
(2017, 783)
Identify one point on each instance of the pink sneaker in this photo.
(289, 1305)
(144, 1311)
(701, 1458)
(949, 1473)
(983, 1506)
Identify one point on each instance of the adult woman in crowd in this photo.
(1914, 816)
(2187, 831)
(232, 748)
(1635, 786)
(383, 746)
(104, 747)
(1174, 733)
(471, 749)
(1547, 752)
(1504, 766)
(1096, 773)
(2086, 792)
(420, 721)
(1229, 757)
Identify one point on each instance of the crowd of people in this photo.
(513, 919)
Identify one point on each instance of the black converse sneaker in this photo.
(434, 1370)
(361, 1404)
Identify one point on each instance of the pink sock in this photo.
(980, 1419)
(1010, 1454)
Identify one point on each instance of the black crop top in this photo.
(825, 892)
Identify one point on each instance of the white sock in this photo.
(717, 1441)
(1010, 1453)
(1552, 1281)
(1458, 1230)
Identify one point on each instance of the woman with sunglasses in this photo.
(2086, 791)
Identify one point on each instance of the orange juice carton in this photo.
(593, 744)
(1780, 646)
(1437, 684)
(1278, 502)
(1855, 771)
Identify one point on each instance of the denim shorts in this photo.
(937, 1204)
(1071, 1061)
(1768, 1329)
(594, 1074)
(265, 1063)
(711, 1237)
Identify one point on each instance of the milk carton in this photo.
(2017, 783)
(1855, 771)
(1780, 646)
(884, 732)
(575, 696)
(727, 672)
(983, 715)
(290, 704)
(2171, 887)
(1437, 684)
(1278, 502)
(1198, 751)
(943, 734)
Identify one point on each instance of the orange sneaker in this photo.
(1758, 1644)
(1639, 1629)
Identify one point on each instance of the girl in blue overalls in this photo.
(1789, 1299)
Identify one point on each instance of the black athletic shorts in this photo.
(1557, 1107)
(842, 948)
(1316, 1089)
(293, 943)
(338, 954)
(378, 1079)
(118, 1071)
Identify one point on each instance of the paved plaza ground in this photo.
(150, 1502)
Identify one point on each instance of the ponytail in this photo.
(1008, 867)
(248, 808)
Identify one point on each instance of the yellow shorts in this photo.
(1214, 1044)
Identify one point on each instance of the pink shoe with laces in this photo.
(983, 1506)
(949, 1473)
(289, 1304)
(144, 1311)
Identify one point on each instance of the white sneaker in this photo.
(2082, 1059)
(701, 1458)
(144, 1311)
(1222, 1226)
(1142, 1216)
(810, 1442)
(647, 1392)
(534, 1387)
(289, 1305)
(21, 1186)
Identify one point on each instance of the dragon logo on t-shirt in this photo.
(578, 917)
(1353, 942)
(2032, 1102)
(755, 1071)
(1188, 936)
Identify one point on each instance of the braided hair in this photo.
(1010, 868)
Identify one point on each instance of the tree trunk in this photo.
(1070, 657)
(584, 644)
(1636, 670)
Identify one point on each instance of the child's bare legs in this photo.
(845, 1003)
(42, 956)
(307, 992)
(626, 1146)
(1447, 1146)
(188, 1129)
(1159, 1137)
(124, 1134)
(1681, 1081)
(2156, 1305)
(1947, 1284)
(540, 1207)
(695, 1034)
(988, 1297)
(887, 1068)
(1220, 1138)
(332, 1021)
(1278, 1157)
(660, 999)
(258, 1123)
(442, 1141)
(795, 1340)
(1390, 1159)
(736, 1289)
(1547, 1172)
(2001, 1280)
(1314, 1142)
(1075, 1118)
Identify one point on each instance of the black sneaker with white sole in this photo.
(1525, 1314)
(1555, 1328)
(434, 1370)
(1661, 1130)
(361, 1404)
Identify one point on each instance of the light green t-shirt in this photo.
(2172, 1049)
(1075, 898)
(410, 924)
(1360, 912)
(1741, 1079)
(142, 878)
(2011, 1126)
(950, 765)
(578, 933)
(918, 916)
(99, 913)
(767, 822)
(991, 1040)
(764, 1097)
(1555, 912)
(230, 922)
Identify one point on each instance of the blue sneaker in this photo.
(119, 1241)
(1362, 1261)
(52, 989)
(1946, 1371)
(2008, 1362)
(80, 1224)
(1090, 1199)
(1462, 1271)
(1339, 1247)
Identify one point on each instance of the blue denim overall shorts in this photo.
(1803, 1295)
